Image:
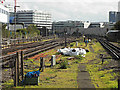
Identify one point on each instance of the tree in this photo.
(32, 30)
(5, 32)
(117, 25)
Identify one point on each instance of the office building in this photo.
(4, 13)
(118, 13)
(119, 6)
(118, 17)
(61, 25)
(96, 25)
(27, 17)
(112, 16)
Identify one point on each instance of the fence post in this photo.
(15, 74)
(53, 60)
(22, 66)
(18, 59)
(101, 56)
(42, 63)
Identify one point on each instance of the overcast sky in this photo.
(81, 10)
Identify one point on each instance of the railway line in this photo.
(26, 46)
(114, 50)
(29, 51)
(8, 61)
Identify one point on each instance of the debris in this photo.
(32, 74)
(87, 50)
(72, 51)
(70, 58)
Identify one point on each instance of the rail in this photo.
(114, 50)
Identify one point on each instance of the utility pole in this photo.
(15, 23)
(65, 32)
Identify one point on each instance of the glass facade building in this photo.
(112, 16)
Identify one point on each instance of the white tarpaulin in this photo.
(72, 51)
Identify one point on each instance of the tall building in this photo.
(118, 13)
(4, 13)
(118, 17)
(112, 16)
(119, 6)
(39, 18)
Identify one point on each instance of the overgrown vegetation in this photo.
(102, 75)
(63, 64)
(116, 26)
(64, 74)
(30, 31)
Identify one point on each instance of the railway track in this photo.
(26, 46)
(114, 50)
(31, 51)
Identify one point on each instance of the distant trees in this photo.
(117, 26)
(5, 32)
(30, 31)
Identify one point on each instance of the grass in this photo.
(46, 40)
(100, 77)
(55, 77)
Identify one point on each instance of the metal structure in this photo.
(0, 52)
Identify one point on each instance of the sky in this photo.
(81, 10)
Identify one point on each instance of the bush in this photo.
(63, 64)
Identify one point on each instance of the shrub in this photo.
(63, 64)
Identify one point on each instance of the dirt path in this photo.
(83, 78)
